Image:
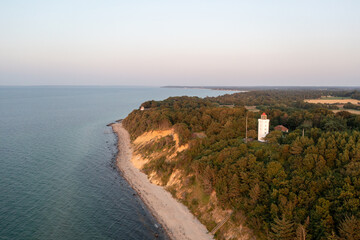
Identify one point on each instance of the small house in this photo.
(281, 128)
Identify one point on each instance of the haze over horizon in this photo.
(227, 43)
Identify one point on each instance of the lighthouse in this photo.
(263, 127)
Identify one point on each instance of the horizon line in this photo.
(174, 86)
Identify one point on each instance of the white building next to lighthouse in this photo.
(263, 127)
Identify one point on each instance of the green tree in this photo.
(282, 229)
(350, 228)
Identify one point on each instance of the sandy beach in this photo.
(176, 219)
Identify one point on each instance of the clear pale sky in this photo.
(112, 42)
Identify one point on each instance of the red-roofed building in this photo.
(281, 128)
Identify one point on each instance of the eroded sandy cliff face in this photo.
(157, 154)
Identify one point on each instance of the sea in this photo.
(58, 178)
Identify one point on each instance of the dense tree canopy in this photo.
(295, 185)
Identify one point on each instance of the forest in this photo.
(304, 184)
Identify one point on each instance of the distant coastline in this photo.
(255, 88)
(219, 88)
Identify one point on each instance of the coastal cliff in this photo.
(301, 184)
(176, 219)
(156, 154)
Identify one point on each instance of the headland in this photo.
(176, 219)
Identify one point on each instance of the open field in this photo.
(333, 101)
(339, 101)
(357, 112)
(334, 98)
(252, 108)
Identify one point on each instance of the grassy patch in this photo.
(199, 193)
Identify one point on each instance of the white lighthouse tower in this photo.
(263, 127)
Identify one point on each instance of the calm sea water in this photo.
(57, 174)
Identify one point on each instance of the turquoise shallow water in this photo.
(57, 174)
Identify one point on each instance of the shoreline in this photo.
(175, 218)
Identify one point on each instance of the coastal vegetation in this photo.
(304, 184)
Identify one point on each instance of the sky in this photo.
(187, 42)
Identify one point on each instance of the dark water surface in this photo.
(57, 176)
